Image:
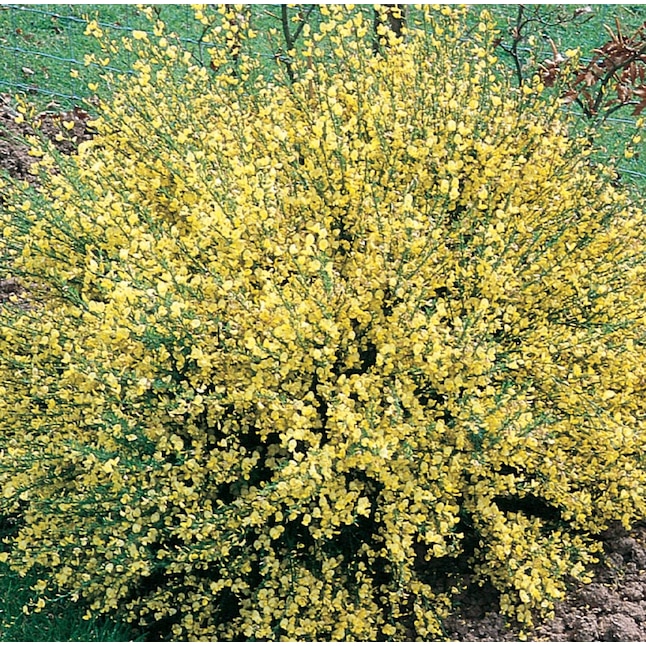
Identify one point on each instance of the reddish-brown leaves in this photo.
(615, 77)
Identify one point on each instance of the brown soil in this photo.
(16, 160)
(611, 608)
(14, 155)
(14, 151)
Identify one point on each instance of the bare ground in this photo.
(610, 609)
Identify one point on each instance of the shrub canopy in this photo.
(295, 354)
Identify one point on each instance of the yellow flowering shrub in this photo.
(289, 350)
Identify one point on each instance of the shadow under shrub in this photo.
(289, 346)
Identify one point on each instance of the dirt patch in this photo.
(611, 608)
(8, 288)
(14, 153)
(65, 129)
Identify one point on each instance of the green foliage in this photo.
(23, 621)
(42, 47)
(286, 348)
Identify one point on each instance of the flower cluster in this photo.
(289, 344)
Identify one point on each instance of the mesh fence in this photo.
(40, 45)
(43, 47)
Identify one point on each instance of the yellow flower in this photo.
(280, 338)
